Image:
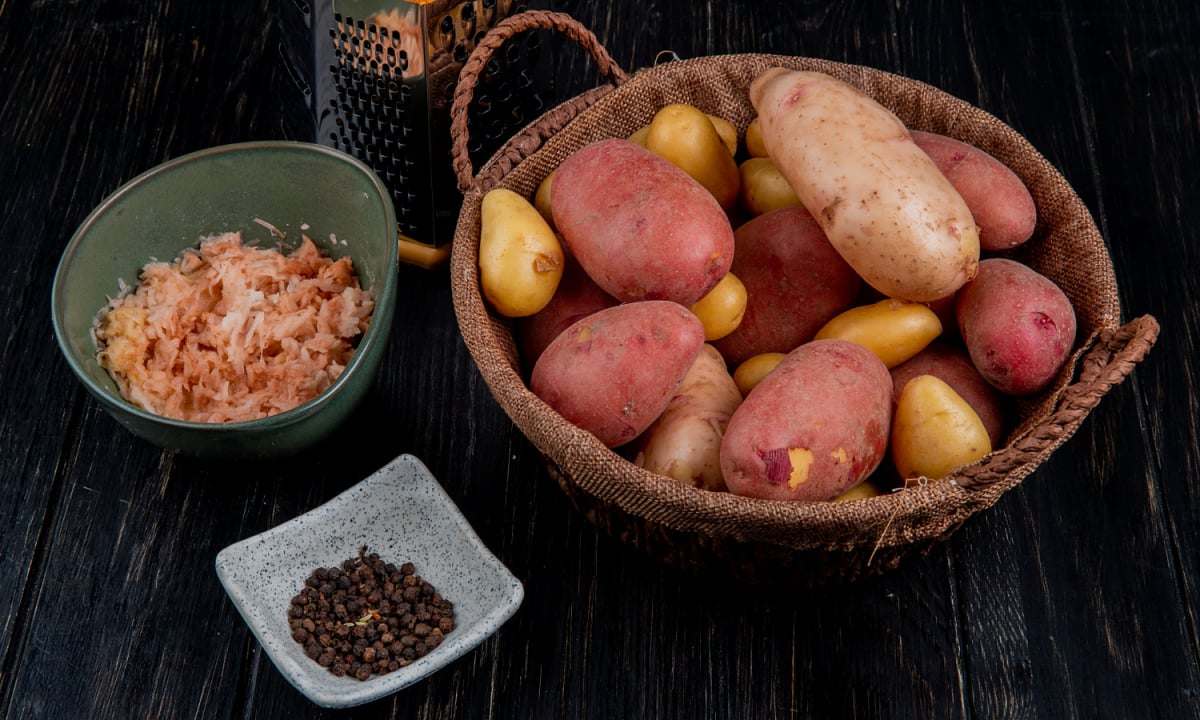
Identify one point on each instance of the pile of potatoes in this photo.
(811, 311)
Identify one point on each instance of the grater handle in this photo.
(464, 93)
(1111, 358)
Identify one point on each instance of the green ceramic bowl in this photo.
(298, 188)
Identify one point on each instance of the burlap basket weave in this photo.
(746, 538)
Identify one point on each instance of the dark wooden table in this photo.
(1076, 596)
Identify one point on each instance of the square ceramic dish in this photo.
(402, 513)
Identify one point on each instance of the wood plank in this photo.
(1142, 103)
(84, 112)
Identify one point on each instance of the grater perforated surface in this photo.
(377, 80)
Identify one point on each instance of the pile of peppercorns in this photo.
(368, 617)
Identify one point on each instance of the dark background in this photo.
(1075, 596)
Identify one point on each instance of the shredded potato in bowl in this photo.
(229, 332)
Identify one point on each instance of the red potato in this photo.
(795, 283)
(576, 298)
(642, 228)
(815, 427)
(953, 366)
(684, 443)
(614, 372)
(881, 200)
(998, 199)
(1018, 326)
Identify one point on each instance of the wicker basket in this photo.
(746, 538)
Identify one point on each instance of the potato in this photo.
(764, 188)
(684, 443)
(541, 199)
(944, 309)
(520, 258)
(1018, 326)
(750, 373)
(864, 489)
(935, 430)
(813, 428)
(881, 200)
(614, 372)
(754, 140)
(952, 365)
(795, 283)
(724, 128)
(721, 310)
(892, 329)
(576, 298)
(726, 131)
(998, 199)
(684, 135)
(640, 227)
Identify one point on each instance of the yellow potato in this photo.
(520, 258)
(639, 136)
(685, 136)
(752, 371)
(892, 329)
(541, 199)
(724, 128)
(764, 188)
(721, 310)
(727, 131)
(754, 140)
(934, 430)
(865, 489)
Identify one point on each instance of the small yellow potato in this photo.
(541, 199)
(935, 431)
(685, 136)
(639, 136)
(724, 128)
(754, 140)
(520, 258)
(753, 370)
(764, 188)
(892, 329)
(865, 489)
(721, 310)
(727, 131)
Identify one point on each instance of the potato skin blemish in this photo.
(787, 465)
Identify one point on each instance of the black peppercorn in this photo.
(368, 617)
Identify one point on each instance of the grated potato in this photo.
(229, 332)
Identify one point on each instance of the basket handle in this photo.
(468, 77)
(1109, 361)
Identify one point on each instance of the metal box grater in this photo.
(376, 79)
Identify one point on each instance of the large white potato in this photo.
(882, 202)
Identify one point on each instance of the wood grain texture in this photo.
(1075, 596)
